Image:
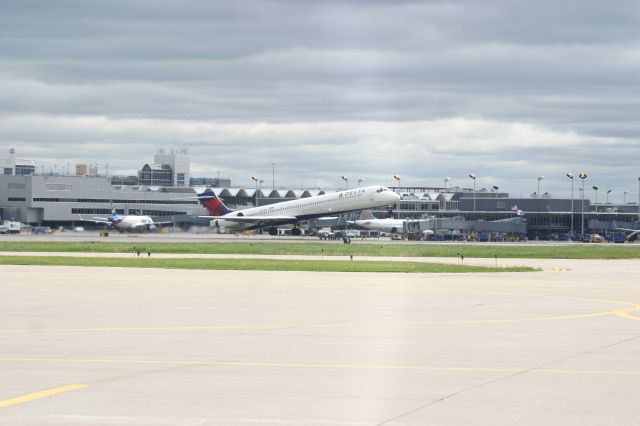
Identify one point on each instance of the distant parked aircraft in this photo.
(130, 223)
(633, 233)
(369, 221)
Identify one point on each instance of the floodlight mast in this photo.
(582, 176)
(474, 177)
(256, 180)
(570, 176)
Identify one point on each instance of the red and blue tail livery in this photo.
(213, 204)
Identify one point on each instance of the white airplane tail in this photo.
(367, 215)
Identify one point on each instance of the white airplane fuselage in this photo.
(133, 223)
(306, 208)
(382, 225)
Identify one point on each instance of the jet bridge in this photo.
(516, 225)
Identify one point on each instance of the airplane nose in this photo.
(395, 197)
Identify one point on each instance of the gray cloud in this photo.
(422, 89)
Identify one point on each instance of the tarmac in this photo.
(117, 346)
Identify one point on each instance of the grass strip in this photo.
(586, 251)
(255, 264)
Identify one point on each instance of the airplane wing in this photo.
(101, 220)
(165, 222)
(256, 220)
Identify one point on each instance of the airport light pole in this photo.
(396, 177)
(346, 181)
(273, 175)
(346, 223)
(570, 176)
(540, 178)
(473, 176)
(447, 179)
(608, 192)
(582, 176)
(595, 188)
(255, 197)
(360, 182)
(624, 197)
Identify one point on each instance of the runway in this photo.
(91, 346)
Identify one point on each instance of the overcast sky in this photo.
(510, 90)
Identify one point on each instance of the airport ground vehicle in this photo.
(10, 227)
(324, 234)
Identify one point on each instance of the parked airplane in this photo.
(633, 234)
(369, 221)
(127, 223)
(294, 211)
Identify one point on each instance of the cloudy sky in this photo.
(510, 90)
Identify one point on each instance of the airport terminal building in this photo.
(62, 200)
(545, 217)
(166, 191)
(54, 201)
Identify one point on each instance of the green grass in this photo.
(586, 251)
(253, 264)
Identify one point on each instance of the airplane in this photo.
(127, 223)
(292, 212)
(633, 234)
(369, 221)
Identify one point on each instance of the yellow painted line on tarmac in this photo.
(553, 296)
(325, 325)
(623, 313)
(626, 313)
(40, 394)
(231, 363)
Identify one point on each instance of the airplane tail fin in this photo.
(367, 215)
(213, 204)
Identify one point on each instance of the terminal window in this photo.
(8, 171)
